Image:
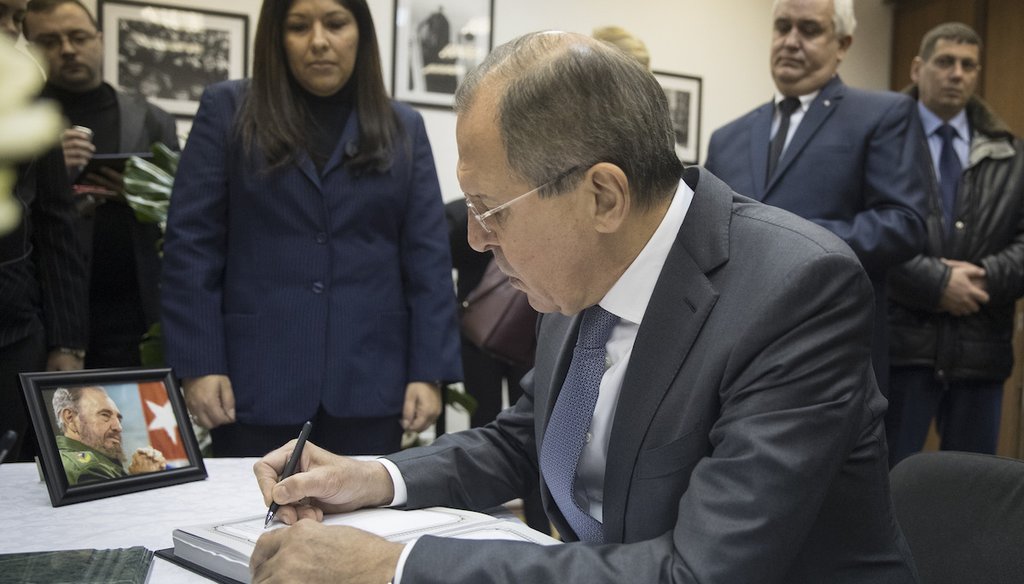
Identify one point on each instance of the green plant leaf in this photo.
(460, 400)
(148, 185)
(151, 348)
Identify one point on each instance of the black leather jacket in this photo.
(988, 231)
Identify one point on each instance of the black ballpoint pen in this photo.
(289, 467)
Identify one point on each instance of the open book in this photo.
(225, 548)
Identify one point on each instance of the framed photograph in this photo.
(170, 54)
(436, 43)
(683, 93)
(107, 432)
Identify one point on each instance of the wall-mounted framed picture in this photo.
(183, 127)
(107, 432)
(170, 54)
(436, 43)
(683, 93)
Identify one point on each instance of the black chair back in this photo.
(963, 516)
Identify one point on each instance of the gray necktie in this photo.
(571, 417)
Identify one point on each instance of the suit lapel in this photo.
(682, 300)
(347, 147)
(759, 142)
(305, 164)
(819, 111)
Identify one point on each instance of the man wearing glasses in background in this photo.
(120, 252)
(702, 407)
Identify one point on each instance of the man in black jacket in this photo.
(951, 309)
(120, 251)
(42, 279)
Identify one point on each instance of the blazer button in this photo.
(960, 226)
(318, 287)
(321, 238)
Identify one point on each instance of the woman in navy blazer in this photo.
(306, 269)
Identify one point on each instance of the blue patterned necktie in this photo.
(571, 417)
(949, 173)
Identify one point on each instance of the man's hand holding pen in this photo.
(307, 551)
(322, 482)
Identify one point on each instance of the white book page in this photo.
(391, 524)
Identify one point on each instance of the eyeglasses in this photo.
(78, 39)
(481, 218)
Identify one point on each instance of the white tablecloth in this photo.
(29, 523)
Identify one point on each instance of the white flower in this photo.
(27, 127)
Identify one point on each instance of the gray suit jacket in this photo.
(747, 445)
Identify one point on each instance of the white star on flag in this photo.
(163, 419)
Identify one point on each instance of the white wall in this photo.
(725, 42)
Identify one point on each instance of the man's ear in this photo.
(610, 189)
(70, 421)
(915, 69)
(844, 45)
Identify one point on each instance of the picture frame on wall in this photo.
(107, 432)
(436, 42)
(684, 104)
(170, 54)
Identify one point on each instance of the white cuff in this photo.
(401, 492)
(401, 562)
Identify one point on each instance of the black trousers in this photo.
(28, 354)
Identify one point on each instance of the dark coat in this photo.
(988, 231)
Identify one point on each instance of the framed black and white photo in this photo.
(108, 432)
(683, 93)
(436, 43)
(170, 54)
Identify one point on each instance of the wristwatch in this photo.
(76, 353)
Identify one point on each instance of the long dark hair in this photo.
(274, 119)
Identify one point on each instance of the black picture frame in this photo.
(152, 413)
(436, 42)
(684, 105)
(169, 54)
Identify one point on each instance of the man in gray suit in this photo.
(736, 426)
(120, 252)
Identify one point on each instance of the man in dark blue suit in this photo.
(851, 161)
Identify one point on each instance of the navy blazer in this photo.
(747, 441)
(307, 288)
(855, 166)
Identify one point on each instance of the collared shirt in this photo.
(794, 119)
(961, 143)
(627, 299)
